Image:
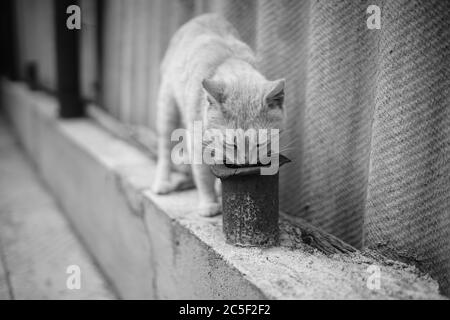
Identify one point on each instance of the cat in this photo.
(209, 74)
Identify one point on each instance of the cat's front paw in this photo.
(209, 209)
(177, 182)
(162, 187)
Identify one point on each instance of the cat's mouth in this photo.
(225, 170)
(237, 166)
(233, 165)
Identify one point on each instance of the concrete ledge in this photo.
(157, 247)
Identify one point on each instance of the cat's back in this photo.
(213, 23)
(210, 24)
(203, 38)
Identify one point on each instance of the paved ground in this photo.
(37, 245)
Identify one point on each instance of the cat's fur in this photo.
(209, 74)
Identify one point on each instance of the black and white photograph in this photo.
(227, 150)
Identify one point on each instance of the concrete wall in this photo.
(156, 246)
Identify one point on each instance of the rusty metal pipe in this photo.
(249, 205)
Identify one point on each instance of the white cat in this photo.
(209, 74)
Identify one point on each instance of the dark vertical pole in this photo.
(9, 47)
(99, 84)
(68, 62)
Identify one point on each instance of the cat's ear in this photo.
(215, 90)
(275, 94)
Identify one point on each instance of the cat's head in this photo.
(244, 105)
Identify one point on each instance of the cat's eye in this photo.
(276, 102)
